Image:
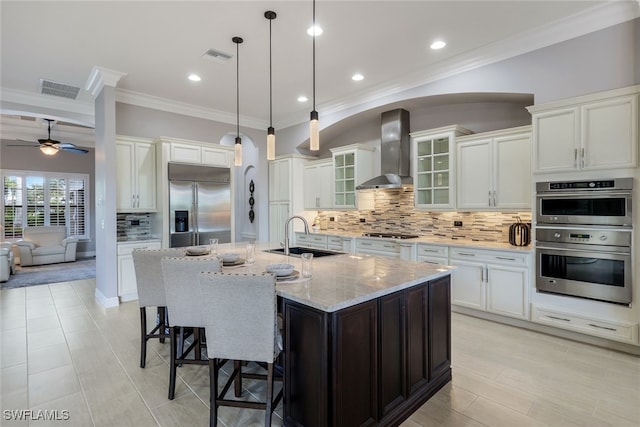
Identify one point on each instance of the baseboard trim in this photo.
(104, 301)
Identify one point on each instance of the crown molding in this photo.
(164, 104)
(101, 77)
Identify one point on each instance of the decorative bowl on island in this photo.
(229, 257)
(280, 269)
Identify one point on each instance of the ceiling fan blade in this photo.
(22, 145)
(73, 149)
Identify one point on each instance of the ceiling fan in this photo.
(51, 146)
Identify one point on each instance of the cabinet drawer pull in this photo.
(506, 258)
(390, 246)
(564, 319)
(430, 250)
(466, 254)
(365, 244)
(602, 327)
(432, 262)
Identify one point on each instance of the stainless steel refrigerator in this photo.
(199, 204)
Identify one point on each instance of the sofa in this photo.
(6, 261)
(46, 245)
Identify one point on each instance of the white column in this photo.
(102, 85)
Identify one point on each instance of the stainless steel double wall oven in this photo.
(584, 239)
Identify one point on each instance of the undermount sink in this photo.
(297, 250)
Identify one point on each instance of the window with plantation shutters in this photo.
(36, 199)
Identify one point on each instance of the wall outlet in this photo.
(363, 220)
(457, 223)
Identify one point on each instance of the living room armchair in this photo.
(6, 261)
(46, 245)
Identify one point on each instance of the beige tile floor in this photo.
(62, 351)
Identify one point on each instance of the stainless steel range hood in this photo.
(395, 152)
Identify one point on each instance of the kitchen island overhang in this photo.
(367, 340)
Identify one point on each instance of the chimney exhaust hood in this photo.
(395, 152)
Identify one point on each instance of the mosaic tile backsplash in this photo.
(395, 213)
(133, 226)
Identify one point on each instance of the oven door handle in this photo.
(589, 251)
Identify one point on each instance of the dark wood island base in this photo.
(371, 364)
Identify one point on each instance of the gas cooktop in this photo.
(391, 235)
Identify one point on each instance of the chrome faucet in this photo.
(286, 231)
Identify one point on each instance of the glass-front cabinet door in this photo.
(352, 165)
(433, 174)
(344, 176)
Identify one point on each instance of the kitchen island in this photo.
(367, 339)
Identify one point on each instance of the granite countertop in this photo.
(467, 243)
(340, 281)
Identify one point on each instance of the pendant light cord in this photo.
(270, 80)
(237, 90)
(314, 55)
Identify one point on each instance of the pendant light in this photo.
(314, 134)
(271, 132)
(238, 144)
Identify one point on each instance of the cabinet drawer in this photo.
(334, 242)
(127, 248)
(377, 247)
(613, 330)
(432, 251)
(310, 240)
(504, 258)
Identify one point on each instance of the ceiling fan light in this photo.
(48, 150)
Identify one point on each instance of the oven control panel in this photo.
(584, 236)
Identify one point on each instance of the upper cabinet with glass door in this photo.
(352, 165)
(433, 167)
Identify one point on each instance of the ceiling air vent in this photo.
(216, 55)
(47, 87)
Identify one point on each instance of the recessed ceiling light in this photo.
(302, 98)
(438, 44)
(194, 77)
(314, 30)
(357, 77)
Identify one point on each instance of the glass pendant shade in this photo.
(271, 143)
(48, 150)
(238, 152)
(314, 133)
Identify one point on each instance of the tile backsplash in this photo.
(395, 213)
(133, 226)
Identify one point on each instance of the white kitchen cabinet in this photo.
(496, 282)
(199, 153)
(352, 165)
(377, 247)
(432, 254)
(318, 185)
(127, 286)
(136, 175)
(494, 170)
(340, 243)
(433, 168)
(592, 132)
(285, 194)
(316, 241)
(279, 212)
(623, 331)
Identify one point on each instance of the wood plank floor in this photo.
(62, 351)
